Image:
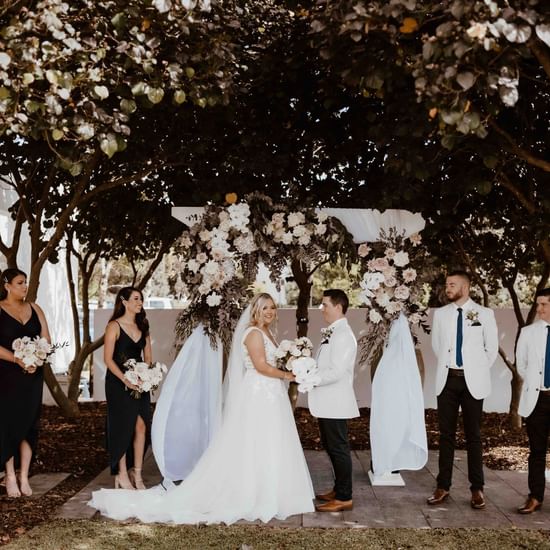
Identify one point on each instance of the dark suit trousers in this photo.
(334, 437)
(538, 428)
(456, 395)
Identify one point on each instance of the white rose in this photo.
(363, 250)
(320, 229)
(409, 275)
(374, 316)
(214, 299)
(401, 259)
(390, 281)
(299, 230)
(285, 345)
(287, 238)
(193, 265)
(322, 217)
(205, 235)
(304, 240)
(415, 239)
(295, 218)
(402, 292)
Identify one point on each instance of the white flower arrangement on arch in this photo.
(392, 283)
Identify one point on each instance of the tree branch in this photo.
(528, 204)
(540, 52)
(519, 151)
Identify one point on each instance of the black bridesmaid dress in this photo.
(20, 392)
(123, 409)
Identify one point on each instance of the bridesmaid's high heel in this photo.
(123, 484)
(138, 482)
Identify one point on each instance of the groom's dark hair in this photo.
(337, 296)
(543, 292)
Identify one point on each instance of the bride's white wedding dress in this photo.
(253, 469)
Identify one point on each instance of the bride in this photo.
(254, 467)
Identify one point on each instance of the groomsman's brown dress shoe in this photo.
(530, 506)
(438, 497)
(331, 495)
(335, 506)
(478, 501)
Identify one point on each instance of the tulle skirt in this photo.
(253, 469)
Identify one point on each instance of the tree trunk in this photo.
(68, 408)
(301, 277)
(516, 384)
(77, 364)
(105, 270)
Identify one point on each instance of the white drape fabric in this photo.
(366, 225)
(397, 427)
(188, 411)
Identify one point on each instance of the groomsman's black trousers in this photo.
(538, 428)
(456, 395)
(334, 437)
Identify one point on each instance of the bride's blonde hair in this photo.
(256, 305)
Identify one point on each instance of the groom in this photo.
(333, 401)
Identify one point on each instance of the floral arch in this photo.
(223, 246)
(220, 252)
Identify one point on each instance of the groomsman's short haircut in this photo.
(543, 292)
(337, 296)
(460, 273)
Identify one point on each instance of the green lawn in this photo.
(107, 535)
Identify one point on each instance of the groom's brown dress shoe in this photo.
(478, 501)
(438, 497)
(331, 495)
(530, 506)
(335, 506)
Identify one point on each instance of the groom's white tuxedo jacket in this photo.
(334, 396)
(530, 356)
(479, 345)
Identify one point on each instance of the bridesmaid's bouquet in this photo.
(34, 352)
(147, 377)
(295, 356)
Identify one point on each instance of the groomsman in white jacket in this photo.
(533, 362)
(465, 342)
(333, 400)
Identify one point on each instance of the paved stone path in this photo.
(385, 506)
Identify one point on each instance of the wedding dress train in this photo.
(253, 469)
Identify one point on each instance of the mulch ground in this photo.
(77, 447)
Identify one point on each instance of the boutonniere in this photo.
(473, 317)
(326, 333)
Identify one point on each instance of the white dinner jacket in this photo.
(479, 346)
(334, 396)
(530, 356)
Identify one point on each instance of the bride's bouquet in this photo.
(295, 356)
(34, 352)
(292, 349)
(147, 377)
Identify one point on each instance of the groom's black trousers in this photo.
(334, 437)
(456, 395)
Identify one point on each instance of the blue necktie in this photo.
(547, 359)
(459, 338)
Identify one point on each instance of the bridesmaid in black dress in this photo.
(20, 390)
(128, 418)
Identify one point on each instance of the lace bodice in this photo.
(269, 348)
